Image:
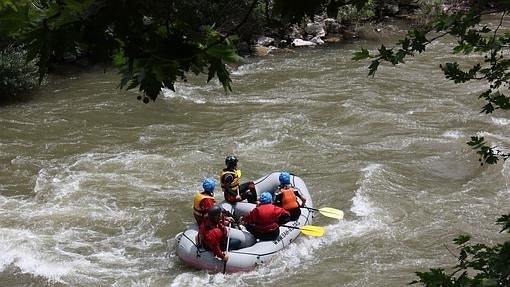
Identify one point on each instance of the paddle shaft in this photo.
(310, 208)
(289, 226)
(328, 211)
(226, 247)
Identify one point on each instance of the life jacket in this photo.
(234, 185)
(266, 218)
(197, 210)
(209, 225)
(211, 235)
(236, 174)
(289, 199)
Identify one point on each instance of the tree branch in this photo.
(228, 34)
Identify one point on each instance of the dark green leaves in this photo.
(487, 154)
(461, 239)
(414, 42)
(495, 100)
(13, 18)
(361, 55)
(294, 10)
(435, 277)
(472, 38)
(17, 76)
(505, 222)
(478, 264)
(454, 73)
(155, 43)
(373, 67)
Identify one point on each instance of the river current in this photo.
(94, 185)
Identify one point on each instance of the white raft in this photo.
(251, 253)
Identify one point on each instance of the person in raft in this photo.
(287, 197)
(230, 183)
(265, 219)
(213, 233)
(204, 200)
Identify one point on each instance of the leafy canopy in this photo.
(472, 37)
(478, 264)
(155, 43)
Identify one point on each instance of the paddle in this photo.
(311, 230)
(328, 211)
(228, 241)
(226, 248)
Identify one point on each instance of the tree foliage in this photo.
(155, 43)
(472, 37)
(16, 75)
(478, 264)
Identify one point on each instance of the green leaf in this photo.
(435, 277)
(360, 55)
(219, 69)
(504, 220)
(150, 85)
(385, 54)
(119, 58)
(461, 239)
(224, 53)
(476, 142)
(13, 19)
(79, 6)
(373, 67)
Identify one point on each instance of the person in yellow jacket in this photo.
(287, 197)
(230, 183)
(204, 200)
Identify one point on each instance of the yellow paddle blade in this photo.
(312, 230)
(332, 212)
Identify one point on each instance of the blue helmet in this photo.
(284, 178)
(209, 185)
(265, 197)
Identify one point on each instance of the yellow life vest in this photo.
(197, 210)
(235, 183)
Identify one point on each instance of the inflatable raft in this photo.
(251, 253)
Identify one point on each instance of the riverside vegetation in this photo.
(158, 43)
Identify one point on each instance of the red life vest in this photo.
(267, 217)
(211, 234)
(289, 199)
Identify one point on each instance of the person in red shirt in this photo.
(265, 219)
(213, 233)
(204, 200)
(287, 197)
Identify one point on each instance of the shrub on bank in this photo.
(17, 76)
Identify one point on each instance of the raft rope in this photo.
(200, 249)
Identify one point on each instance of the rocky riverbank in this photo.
(323, 30)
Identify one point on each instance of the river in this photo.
(94, 184)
